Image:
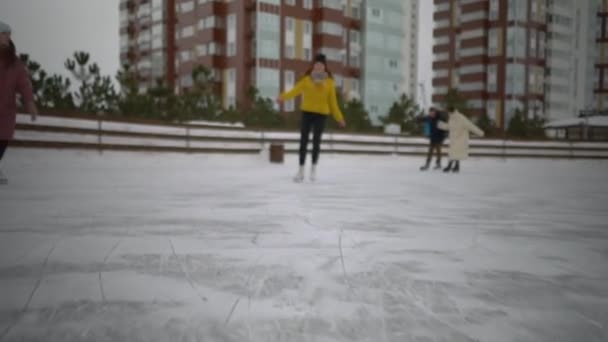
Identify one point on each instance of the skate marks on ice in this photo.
(105, 260)
(15, 319)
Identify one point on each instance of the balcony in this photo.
(328, 14)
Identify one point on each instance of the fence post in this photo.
(99, 141)
(396, 145)
(188, 138)
(504, 149)
(571, 150)
(262, 140)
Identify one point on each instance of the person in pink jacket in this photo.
(14, 79)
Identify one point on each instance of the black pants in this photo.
(3, 146)
(316, 123)
(434, 147)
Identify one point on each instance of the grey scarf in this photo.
(318, 77)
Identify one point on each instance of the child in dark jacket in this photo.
(436, 137)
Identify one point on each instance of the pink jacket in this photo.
(13, 80)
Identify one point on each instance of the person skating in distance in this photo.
(319, 100)
(436, 137)
(458, 127)
(14, 79)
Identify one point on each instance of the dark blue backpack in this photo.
(427, 128)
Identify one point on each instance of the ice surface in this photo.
(170, 247)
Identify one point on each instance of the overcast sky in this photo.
(51, 30)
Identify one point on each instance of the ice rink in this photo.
(170, 247)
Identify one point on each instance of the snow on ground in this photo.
(168, 247)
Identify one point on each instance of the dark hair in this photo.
(10, 56)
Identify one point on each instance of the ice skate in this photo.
(313, 173)
(299, 178)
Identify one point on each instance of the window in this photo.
(214, 49)
(515, 79)
(231, 49)
(201, 50)
(455, 80)
(158, 30)
(494, 10)
(470, 52)
(289, 24)
(290, 52)
(493, 42)
(339, 80)
(331, 54)
(330, 28)
(307, 54)
(375, 15)
(468, 34)
(232, 21)
(476, 104)
(269, 49)
(491, 110)
(443, 40)
(210, 22)
(472, 16)
(185, 56)
(533, 50)
(541, 44)
(290, 2)
(157, 15)
(441, 73)
(442, 23)
(289, 81)
(471, 69)
(334, 4)
(187, 31)
(231, 101)
(355, 12)
(492, 78)
(355, 37)
(307, 4)
(518, 10)
(442, 7)
(392, 64)
(440, 90)
(307, 28)
(441, 56)
(186, 7)
(231, 76)
(355, 85)
(354, 61)
(516, 38)
(158, 42)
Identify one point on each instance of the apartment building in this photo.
(493, 52)
(270, 43)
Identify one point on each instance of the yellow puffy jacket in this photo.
(317, 98)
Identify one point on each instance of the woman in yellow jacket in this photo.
(318, 91)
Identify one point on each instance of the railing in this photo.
(112, 134)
